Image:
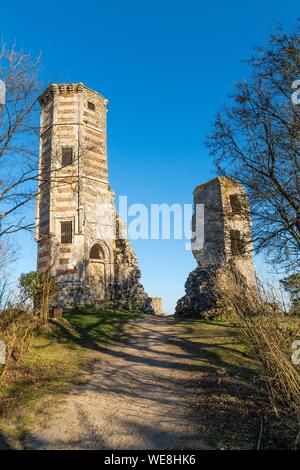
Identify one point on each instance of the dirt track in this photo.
(138, 396)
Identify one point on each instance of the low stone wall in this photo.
(226, 250)
(157, 306)
(200, 299)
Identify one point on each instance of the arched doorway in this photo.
(97, 271)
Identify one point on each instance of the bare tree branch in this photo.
(256, 139)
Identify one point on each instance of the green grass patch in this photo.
(91, 329)
(57, 359)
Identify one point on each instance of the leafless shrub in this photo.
(17, 325)
(268, 336)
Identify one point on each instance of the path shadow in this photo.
(203, 356)
(219, 390)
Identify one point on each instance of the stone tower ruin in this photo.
(80, 237)
(227, 246)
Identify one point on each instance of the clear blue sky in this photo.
(166, 67)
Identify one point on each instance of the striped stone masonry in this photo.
(71, 215)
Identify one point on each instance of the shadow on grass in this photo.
(89, 328)
(93, 330)
(236, 414)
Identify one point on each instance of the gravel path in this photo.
(138, 396)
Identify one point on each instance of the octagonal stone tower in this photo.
(227, 245)
(80, 237)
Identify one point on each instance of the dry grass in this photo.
(268, 336)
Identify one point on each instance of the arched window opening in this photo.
(96, 252)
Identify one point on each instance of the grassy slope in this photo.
(231, 402)
(55, 361)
